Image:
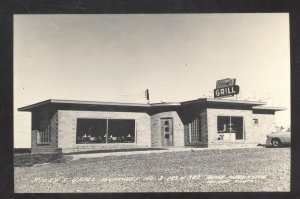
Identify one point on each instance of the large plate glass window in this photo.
(91, 131)
(231, 124)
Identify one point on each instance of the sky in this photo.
(178, 57)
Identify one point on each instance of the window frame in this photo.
(230, 116)
(195, 125)
(43, 134)
(107, 130)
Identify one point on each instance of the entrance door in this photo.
(167, 131)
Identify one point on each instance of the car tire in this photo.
(276, 142)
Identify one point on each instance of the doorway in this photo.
(237, 123)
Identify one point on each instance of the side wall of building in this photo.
(265, 125)
(67, 126)
(156, 135)
(253, 133)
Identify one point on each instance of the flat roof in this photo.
(269, 108)
(230, 101)
(79, 102)
(256, 105)
(165, 104)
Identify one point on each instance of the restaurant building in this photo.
(71, 126)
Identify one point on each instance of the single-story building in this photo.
(72, 126)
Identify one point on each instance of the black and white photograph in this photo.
(131, 103)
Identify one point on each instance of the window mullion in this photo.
(106, 131)
(48, 133)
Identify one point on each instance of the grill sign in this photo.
(226, 88)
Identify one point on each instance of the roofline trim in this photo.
(170, 104)
(57, 101)
(225, 101)
(236, 101)
(24, 108)
(269, 108)
(97, 103)
(165, 104)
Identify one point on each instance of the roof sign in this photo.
(226, 88)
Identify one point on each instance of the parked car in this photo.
(280, 138)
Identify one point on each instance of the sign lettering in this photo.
(226, 87)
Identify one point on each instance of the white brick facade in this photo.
(148, 119)
(67, 121)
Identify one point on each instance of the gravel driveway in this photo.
(255, 169)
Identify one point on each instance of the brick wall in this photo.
(253, 134)
(156, 134)
(148, 128)
(266, 125)
(204, 128)
(67, 125)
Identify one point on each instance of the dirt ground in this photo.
(227, 170)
